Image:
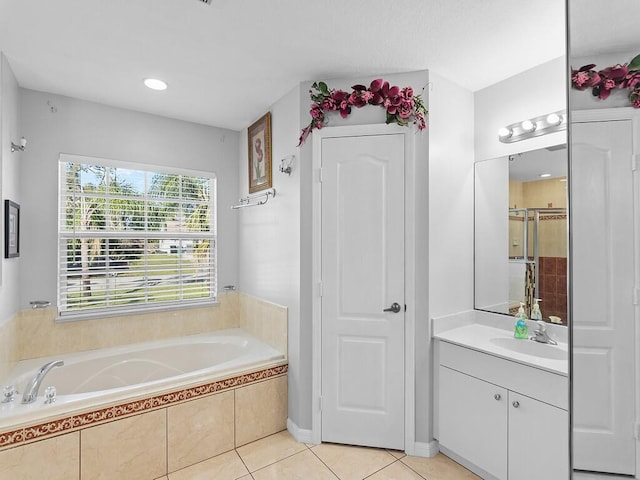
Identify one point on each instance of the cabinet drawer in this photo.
(534, 382)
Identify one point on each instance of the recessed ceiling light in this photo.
(155, 84)
(545, 175)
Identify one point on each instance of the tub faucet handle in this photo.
(9, 393)
(50, 394)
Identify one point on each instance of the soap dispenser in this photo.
(521, 329)
(536, 314)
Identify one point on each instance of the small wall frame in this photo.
(259, 143)
(11, 229)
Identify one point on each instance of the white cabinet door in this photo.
(538, 440)
(473, 420)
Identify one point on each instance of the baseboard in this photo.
(300, 434)
(424, 449)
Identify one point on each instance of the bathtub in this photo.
(98, 378)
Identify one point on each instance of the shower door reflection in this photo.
(538, 261)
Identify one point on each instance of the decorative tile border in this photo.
(103, 415)
(542, 218)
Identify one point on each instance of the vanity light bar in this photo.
(534, 127)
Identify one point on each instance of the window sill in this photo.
(79, 316)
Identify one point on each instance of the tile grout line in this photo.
(277, 461)
(321, 461)
(388, 465)
(272, 463)
(410, 468)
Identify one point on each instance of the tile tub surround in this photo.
(264, 320)
(38, 334)
(148, 439)
(35, 333)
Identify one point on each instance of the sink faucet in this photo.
(541, 335)
(31, 390)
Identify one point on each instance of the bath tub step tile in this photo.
(200, 429)
(261, 410)
(132, 448)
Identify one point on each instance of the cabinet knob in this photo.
(516, 404)
(497, 396)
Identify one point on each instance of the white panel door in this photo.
(362, 275)
(603, 310)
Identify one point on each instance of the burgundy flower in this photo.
(376, 85)
(615, 73)
(339, 96)
(400, 104)
(357, 100)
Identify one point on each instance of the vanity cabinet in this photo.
(502, 418)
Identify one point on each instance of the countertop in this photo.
(489, 339)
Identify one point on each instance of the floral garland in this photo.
(401, 104)
(604, 81)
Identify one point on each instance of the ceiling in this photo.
(227, 62)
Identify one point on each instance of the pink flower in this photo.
(339, 96)
(407, 92)
(316, 111)
(318, 125)
(636, 103)
(367, 95)
(631, 80)
(579, 79)
(609, 84)
(329, 104)
(406, 108)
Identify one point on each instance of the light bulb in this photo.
(545, 175)
(528, 126)
(155, 84)
(505, 132)
(554, 119)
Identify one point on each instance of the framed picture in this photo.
(11, 229)
(259, 138)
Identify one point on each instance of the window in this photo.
(133, 237)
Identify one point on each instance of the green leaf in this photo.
(323, 87)
(635, 63)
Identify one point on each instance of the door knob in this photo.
(395, 308)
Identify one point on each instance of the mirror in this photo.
(521, 233)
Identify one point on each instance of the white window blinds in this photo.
(133, 237)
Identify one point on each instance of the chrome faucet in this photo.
(541, 335)
(31, 390)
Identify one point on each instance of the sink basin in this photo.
(530, 347)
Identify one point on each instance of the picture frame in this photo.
(259, 154)
(11, 229)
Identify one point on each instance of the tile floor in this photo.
(280, 457)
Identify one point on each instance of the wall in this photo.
(269, 235)
(534, 92)
(55, 124)
(9, 189)
(450, 217)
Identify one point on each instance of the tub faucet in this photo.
(541, 335)
(31, 390)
